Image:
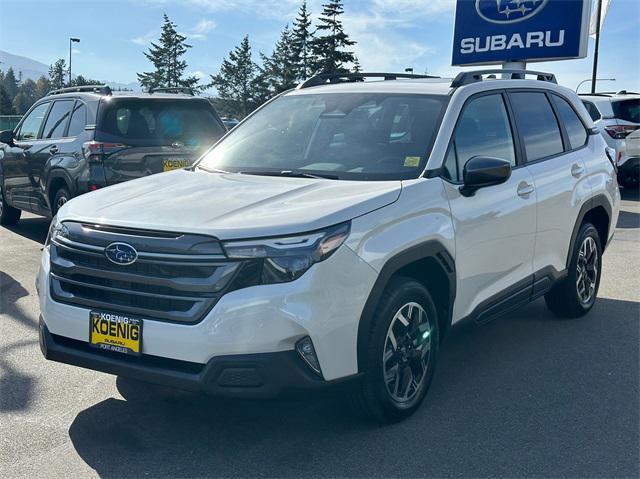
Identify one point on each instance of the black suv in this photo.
(77, 140)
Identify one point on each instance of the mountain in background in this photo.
(34, 69)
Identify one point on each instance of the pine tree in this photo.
(43, 85)
(25, 97)
(329, 48)
(357, 68)
(166, 58)
(81, 80)
(279, 70)
(237, 81)
(5, 103)
(301, 38)
(57, 74)
(10, 83)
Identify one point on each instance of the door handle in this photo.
(53, 150)
(525, 189)
(577, 170)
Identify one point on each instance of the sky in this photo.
(391, 34)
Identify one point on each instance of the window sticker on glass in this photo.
(412, 161)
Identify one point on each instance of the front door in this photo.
(495, 229)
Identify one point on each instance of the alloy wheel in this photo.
(587, 270)
(61, 201)
(407, 352)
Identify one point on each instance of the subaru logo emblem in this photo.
(121, 253)
(508, 11)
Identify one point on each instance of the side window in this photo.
(450, 167)
(31, 124)
(593, 111)
(483, 130)
(78, 119)
(537, 124)
(57, 119)
(572, 124)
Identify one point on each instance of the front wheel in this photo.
(401, 352)
(8, 214)
(576, 294)
(59, 200)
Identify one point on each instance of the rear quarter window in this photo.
(628, 110)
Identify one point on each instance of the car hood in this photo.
(230, 206)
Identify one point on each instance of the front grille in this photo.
(175, 278)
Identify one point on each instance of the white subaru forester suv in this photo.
(334, 236)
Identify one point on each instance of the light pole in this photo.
(590, 80)
(72, 40)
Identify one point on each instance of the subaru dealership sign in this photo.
(497, 31)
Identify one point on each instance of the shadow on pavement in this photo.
(630, 194)
(628, 220)
(526, 395)
(34, 228)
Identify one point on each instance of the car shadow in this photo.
(630, 194)
(33, 228)
(525, 395)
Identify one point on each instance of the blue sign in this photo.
(497, 31)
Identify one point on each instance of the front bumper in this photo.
(239, 376)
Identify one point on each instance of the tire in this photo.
(576, 294)
(60, 198)
(414, 354)
(8, 214)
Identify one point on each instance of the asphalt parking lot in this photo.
(527, 395)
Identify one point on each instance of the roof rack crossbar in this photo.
(102, 89)
(465, 78)
(333, 78)
(172, 89)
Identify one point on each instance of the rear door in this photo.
(554, 143)
(19, 182)
(144, 136)
(495, 228)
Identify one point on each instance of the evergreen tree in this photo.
(238, 80)
(81, 81)
(57, 74)
(279, 70)
(357, 68)
(43, 85)
(25, 97)
(5, 103)
(329, 48)
(301, 38)
(10, 83)
(166, 58)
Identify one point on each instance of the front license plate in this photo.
(115, 332)
(168, 165)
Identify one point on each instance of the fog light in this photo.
(308, 353)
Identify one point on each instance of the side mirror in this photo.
(483, 171)
(6, 136)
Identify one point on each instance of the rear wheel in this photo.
(401, 353)
(576, 294)
(8, 214)
(59, 200)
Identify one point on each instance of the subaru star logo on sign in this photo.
(496, 31)
(121, 253)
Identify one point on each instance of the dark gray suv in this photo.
(77, 140)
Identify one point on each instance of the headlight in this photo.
(279, 260)
(56, 230)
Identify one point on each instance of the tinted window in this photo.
(57, 119)
(78, 119)
(364, 136)
(572, 124)
(537, 124)
(628, 110)
(593, 111)
(152, 122)
(483, 130)
(31, 124)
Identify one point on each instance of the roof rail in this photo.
(332, 78)
(102, 89)
(465, 78)
(172, 89)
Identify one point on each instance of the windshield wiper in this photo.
(212, 170)
(292, 174)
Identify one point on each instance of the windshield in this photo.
(628, 110)
(153, 122)
(361, 136)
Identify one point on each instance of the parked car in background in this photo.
(230, 122)
(617, 116)
(82, 139)
(334, 237)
